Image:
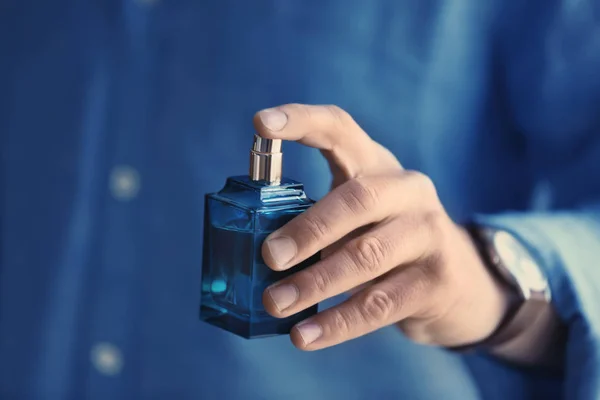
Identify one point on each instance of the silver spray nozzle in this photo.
(266, 160)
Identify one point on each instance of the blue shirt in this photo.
(114, 114)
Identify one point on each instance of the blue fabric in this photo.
(497, 101)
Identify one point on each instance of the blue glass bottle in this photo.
(237, 220)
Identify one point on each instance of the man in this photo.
(115, 113)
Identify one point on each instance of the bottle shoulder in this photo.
(242, 192)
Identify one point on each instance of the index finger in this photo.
(327, 128)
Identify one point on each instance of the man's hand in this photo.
(386, 239)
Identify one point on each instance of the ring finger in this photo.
(386, 302)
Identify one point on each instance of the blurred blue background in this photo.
(112, 111)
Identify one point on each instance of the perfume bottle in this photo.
(237, 220)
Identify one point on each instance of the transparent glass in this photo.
(234, 276)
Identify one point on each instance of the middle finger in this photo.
(384, 247)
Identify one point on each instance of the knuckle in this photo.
(422, 290)
(378, 306)
(432, 222)
(341, 323)
(300, 112)
(305, 112)
(396, 184)
(316, 228)
(441, 278)
(432, 267)
(435, 230)
(296, 108)
(422, 283)
(422, 183)
(359, 196)
(369, 252)
(320, 280)
(340, 116)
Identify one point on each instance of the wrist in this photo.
(528, 319)
(494, 299)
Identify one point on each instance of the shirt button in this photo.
(124, 182)
(107, 359)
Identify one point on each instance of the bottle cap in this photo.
(266, 160)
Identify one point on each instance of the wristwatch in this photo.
(514, 266)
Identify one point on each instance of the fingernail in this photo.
(282, 250)
(273, 119)
(283, 295)
(309, 331)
